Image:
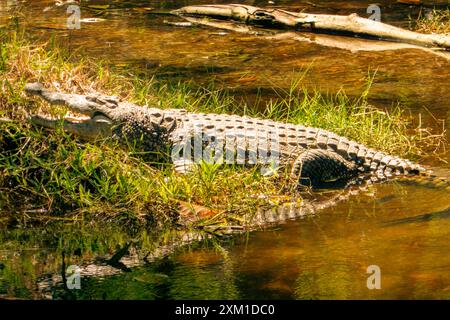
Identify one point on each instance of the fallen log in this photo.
(344, 43)
(320, 23)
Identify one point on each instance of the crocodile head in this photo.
(99, 113)
(140, 127)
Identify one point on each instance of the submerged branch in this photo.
(320, 23)
(326, 40)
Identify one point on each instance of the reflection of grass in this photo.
(33, 255)
(30, 255)
(435, 21)
(70, 177)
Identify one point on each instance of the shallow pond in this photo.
(402, 228)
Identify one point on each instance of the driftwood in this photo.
(320, 23)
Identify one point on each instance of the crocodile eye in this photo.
(98, 113)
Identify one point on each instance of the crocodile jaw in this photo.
(98, 126)
(97, 111)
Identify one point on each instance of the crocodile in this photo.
(310, 155)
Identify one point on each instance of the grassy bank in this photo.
(51, 175)
(434, 21)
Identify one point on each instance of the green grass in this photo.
(51, 175)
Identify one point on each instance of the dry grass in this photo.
(435, 21)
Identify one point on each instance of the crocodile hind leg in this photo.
(321, 167)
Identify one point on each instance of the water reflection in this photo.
(317, 257)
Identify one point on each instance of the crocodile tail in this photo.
(382, 164)
(387, 165)
(369, 160)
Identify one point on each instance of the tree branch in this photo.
(320, 23)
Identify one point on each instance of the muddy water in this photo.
(402, 228)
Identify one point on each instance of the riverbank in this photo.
(53, 175)
(432, 21)
(66, 202)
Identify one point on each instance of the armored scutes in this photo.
(312, 155)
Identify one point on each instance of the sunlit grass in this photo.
(48, 175)
(434, 21)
